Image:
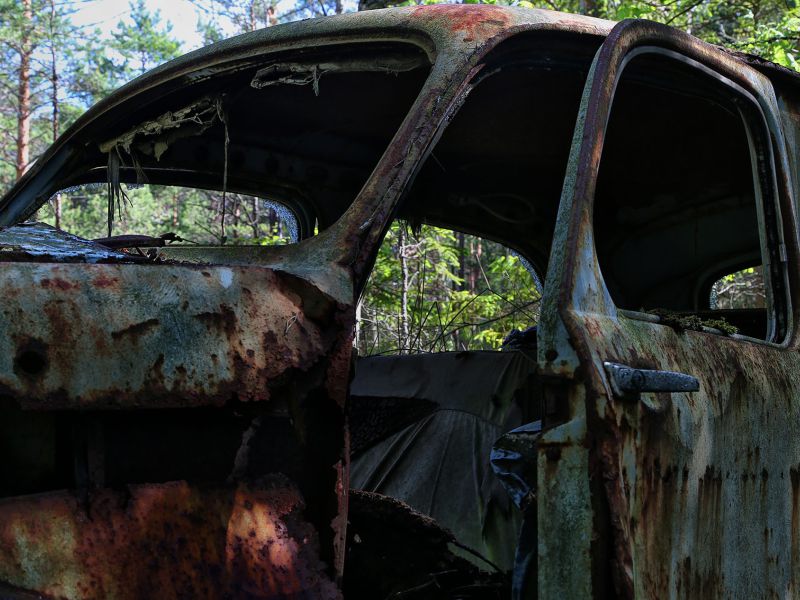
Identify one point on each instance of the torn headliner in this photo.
(290, 130)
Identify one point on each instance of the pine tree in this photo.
(21, 36)
(145, 41)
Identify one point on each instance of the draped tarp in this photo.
(438, 459)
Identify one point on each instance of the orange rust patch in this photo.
(104, 282)
(59, 284)
(164, 541)
(476, 21)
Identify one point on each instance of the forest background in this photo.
(431, 289)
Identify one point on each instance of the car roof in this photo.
(456, 29)
(453, 25)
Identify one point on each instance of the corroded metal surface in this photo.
(164, 541)
(42, 243)
(703, 487)
(695, 495)
(90, 336)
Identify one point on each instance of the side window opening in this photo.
(439, 290)
(684, 203)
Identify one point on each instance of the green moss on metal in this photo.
(690, 322)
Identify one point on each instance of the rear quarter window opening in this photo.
(740, 290)
(182, 215)
(437, 290)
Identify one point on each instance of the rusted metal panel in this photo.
(694, 492)
(702, 487)
(164, 541)
(40, 242)
(104, 335)
(565, 528)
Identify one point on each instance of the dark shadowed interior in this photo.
(499, 173)
(675, 203)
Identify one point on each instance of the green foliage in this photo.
(246, 15)
(461, 293)
(722, 325)
(689, 322)
(144, 42)
(743, 289)
(153, 210)
(93, 72)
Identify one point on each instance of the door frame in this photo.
(573, 253)
(577, 528)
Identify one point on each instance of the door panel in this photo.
(695, 494)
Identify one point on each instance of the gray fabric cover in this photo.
(439, 464)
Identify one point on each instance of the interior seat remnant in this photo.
(439, 462)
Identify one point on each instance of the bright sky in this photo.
(105, 14)
(183, 15)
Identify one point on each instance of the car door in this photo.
(669, 462)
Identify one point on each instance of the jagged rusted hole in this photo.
(31, 359)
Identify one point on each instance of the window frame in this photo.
(304, 219)
(766, 194)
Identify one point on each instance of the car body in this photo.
(179, 427)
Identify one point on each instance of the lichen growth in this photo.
(689, 322)
(722, 325)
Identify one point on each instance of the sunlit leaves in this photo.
(463, 293)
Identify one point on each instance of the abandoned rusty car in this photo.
(189, 421)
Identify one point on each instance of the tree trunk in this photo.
(358, 335)
(251, 16)
(461, 261)
(255, 219)
(54, 99)
(403, 341)
(24, 92)
(273, 222)
(471, 279)
(237, 216)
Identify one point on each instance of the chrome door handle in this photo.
(627, 381)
